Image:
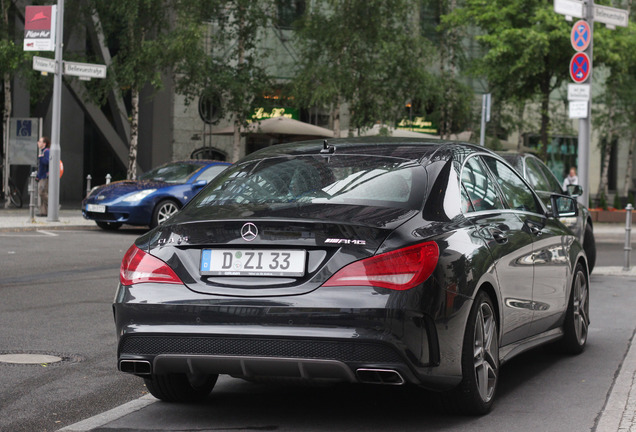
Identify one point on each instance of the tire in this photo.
(577, 316)
(180, 387)
(480, 362)
(164, 210)
(589, 245)
(109, 226)
(14, 195)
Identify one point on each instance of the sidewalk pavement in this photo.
(70, 216)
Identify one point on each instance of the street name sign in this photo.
(577, 109)
(581, 35)
(43, 64)
(84, 70)
(569, 8)
(610, 16)
(578, 92)
(580, 67)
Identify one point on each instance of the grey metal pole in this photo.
(482, 131)
(628, 234)
(54, 161)
(33, 193)
(88, 184)
(584, 123)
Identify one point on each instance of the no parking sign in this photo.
(581, 35)
(580, 67)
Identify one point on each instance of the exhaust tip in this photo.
(137, 367)
(380, 376)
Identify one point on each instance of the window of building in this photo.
(289, 11)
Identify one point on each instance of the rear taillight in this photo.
(138, 267)
(400, 269)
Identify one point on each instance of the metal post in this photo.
(108, 178)
(88, 184)
(482, 131)
(54, 155)
(583, 165)
(33, 191)
(628, 233)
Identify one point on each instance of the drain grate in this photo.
(41, 358)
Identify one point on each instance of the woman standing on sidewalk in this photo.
(44, 144)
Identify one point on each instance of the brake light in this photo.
(138, 267)
(400, 269)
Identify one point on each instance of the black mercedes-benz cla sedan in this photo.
(377, 260)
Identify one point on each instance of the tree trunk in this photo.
(520, 110)
(627, 184)
(236, 140)
(607, 152)
(545, 116)
(335, 113)
(134, 136)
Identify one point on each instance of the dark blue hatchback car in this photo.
(153, 198)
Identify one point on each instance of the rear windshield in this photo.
(313, 179)
(176, 172)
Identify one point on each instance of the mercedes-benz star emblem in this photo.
(249, 231)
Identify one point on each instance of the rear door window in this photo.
(479, 188)
(516, 193)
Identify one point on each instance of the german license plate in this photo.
(96, 208)
(247, 262)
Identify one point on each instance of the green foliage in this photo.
(617, 202)
(223, 58)
(630, 198)
(363, 52)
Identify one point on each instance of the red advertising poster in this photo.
(39, 28)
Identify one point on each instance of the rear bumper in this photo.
(305, 337)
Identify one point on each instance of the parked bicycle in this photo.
(15, 197)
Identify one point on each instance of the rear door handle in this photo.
(499, 235)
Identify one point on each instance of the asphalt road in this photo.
(56, 290)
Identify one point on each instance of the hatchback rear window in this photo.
(314, 179)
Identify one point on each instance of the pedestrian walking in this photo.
(571, 179)
(44, 143)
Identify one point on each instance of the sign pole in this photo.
(584, 123)
(54, 161)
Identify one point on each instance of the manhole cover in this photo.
(37, 358)
(29, 358)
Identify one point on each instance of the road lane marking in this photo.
(109, 416)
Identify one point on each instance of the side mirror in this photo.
(575, 190)
(199, 184)
(564, 206)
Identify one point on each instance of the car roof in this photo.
(400, 147)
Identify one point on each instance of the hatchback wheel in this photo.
(577, 317)
(480, 361)
(164, 210)
(181, 387)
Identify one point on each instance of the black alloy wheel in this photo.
(577, 317)
(480, 362)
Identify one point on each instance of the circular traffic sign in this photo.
(581, 35)
(580, 67)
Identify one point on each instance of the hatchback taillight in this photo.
(400, 269)
(138, 267)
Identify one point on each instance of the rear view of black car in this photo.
(376, 261)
